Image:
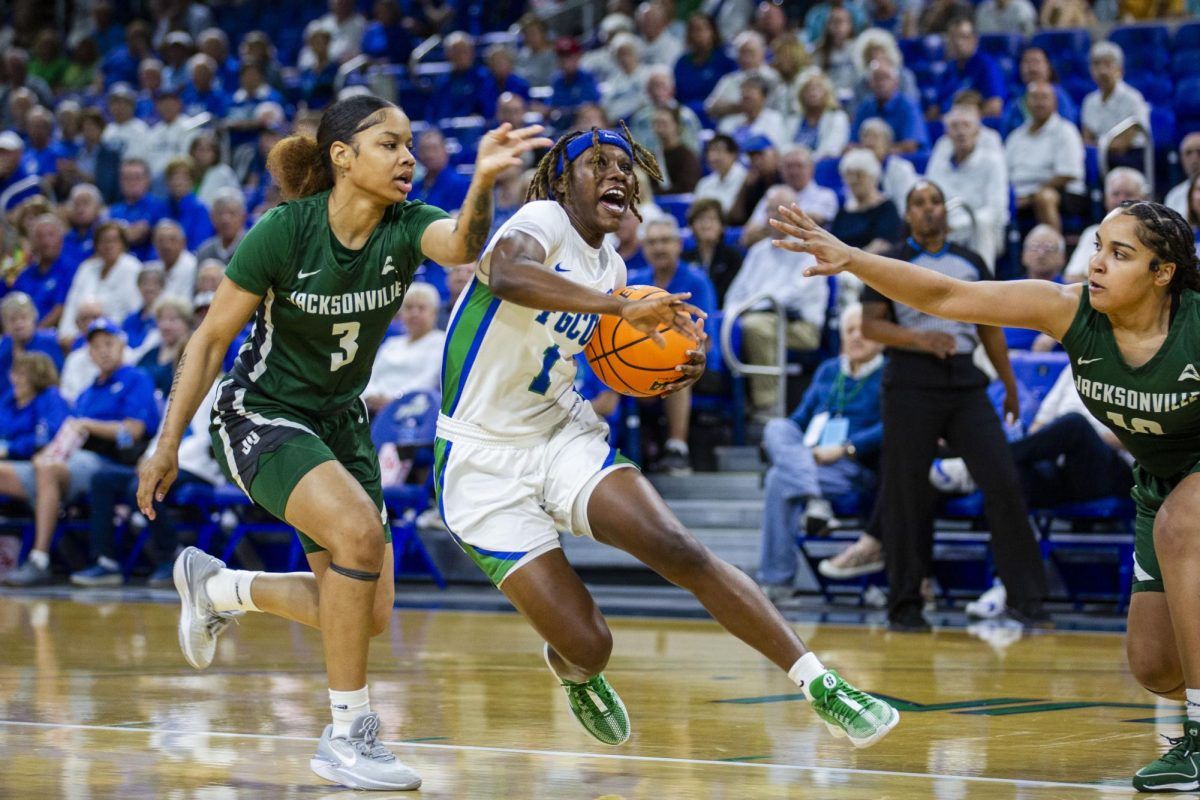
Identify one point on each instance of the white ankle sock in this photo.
(676, 445)
(1193, 704)
(229, 590)
(346, 707)
(39, 559)
(806, 670)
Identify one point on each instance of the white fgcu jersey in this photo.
(508, 371)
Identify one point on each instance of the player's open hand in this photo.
(651, 313)
(155, 478)
(503, 147)
(806, 236)
(697, 361)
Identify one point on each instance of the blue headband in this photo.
(581, 144)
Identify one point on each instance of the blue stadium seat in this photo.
(935, 128)
(1187, 37)
(1079, 86)
(1037, 372)
(1139, 40)
(919, 160)
(1067, 49)
(1187, 106)
(676, 205)
(922, 50)
(1157, 88)
(1162, 126)
(1185, 63)
(826, 174)
(1002, 45)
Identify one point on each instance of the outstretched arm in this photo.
(449, 241)
(1038, 305)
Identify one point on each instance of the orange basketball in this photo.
(628, 361)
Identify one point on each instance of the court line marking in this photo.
(880, 773)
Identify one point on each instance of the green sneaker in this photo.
(597, 707)
(1178, 769)
(850, 712)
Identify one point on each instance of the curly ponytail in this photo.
(1170, 238)
(301, 164)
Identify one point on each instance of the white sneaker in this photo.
(991, 604)
(199, 624)
(360, 761)
(950, 475)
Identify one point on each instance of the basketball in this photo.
(628, 361)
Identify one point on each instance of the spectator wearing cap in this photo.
(1045, 161)
(19, 316)
(754, 117)
(83, 209)
(109, 277)
(537, 60)
(968, 67)
(150, 83)
(183, 206)
(726, 96)
(725, 174)
(201, 93)
(762, 174)
(138, 208)
(347, 27)
(441, 185)
(889, 104)
(98, 161)
(459, 92)
(797, 171)
(317, 80)
(387, 37)
(175, 261)
(125, 131)
(138, 324)
(499, 79)
(31, 413)
(1113, 102)
(229, 221)
(701, 66)
(177, 48)
(170, 137)
(47, 278)
(572, 86)
(17, 184)
(720, 261)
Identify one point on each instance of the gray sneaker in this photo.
(360, 761)
(29, 574)
(199, 625)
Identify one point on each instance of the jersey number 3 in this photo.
(348, 331)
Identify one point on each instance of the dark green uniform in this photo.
(1153, 409)
(292, 400)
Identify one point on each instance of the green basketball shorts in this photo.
(1149, 492)
(265, 449)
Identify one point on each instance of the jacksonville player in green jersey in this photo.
(322, 275)
(1132, 334)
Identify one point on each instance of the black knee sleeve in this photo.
(356, 574)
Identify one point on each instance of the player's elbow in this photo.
(502, 282)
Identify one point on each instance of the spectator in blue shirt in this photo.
(213, 43)
(603, 399)
(19, 317)
(890, 105)
(499, 78)
(184, 206)
(17, 184)
(459, 92)
(42, 149)
(97, 161)
(201, 93)
(48, 275)
(702, 64)
(828, 447)
(661, 244)
(968, 67)
(139, 209)
(31, 412)
(141, 323)
(253, 90)
(387, 38)
(317, 78)
(121, 63)
(572, 86)
(441, 186)
(84, 206)
(1035, 67)
(115, 417)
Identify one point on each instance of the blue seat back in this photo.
(1037, 372)
(408, 421)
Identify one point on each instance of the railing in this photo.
(1120, 129)
(781, 369)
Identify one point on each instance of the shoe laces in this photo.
(218, 622)
(1182, 748)
(836, 702)
(369, 745)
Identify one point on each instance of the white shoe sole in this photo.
(186, 613)
(335, 773)
(838, 733)
(842, 573)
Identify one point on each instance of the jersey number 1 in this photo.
(541, 383)
(348, 331)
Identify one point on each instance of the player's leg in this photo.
(677, 459)
(19, 481)
(624, 510)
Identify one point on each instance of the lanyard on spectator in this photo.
(840, 399)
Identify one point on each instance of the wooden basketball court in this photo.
(96, 702)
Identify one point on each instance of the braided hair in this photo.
(541, 187)
(1170, 239)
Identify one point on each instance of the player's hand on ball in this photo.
(696, 363)
(503, 147)
(806, 236)
(155, 478)
(650, 313)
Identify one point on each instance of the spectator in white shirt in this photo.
(796, 168)
(346, 27)
(1120, 184)
(779, 273)
(171, 136)
(1189, 160)
(977, 178)
(174, 260)
(660, 90)
(1006, 16)
(821, 125)
(125, 130)
(726, 175)
(411, 362)
(624, 93)
(899, 175)
(79, 371)
(1045, 160)
(726, 96)
(109, 277)
(755, 117)
(1113, 102)
(663, 46)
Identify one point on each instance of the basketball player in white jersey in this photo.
(520, 455)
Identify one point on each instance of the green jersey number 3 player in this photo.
(323, 275)
(1133, 338)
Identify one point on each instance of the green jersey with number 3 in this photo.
(1153, 409)
(325, 309)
